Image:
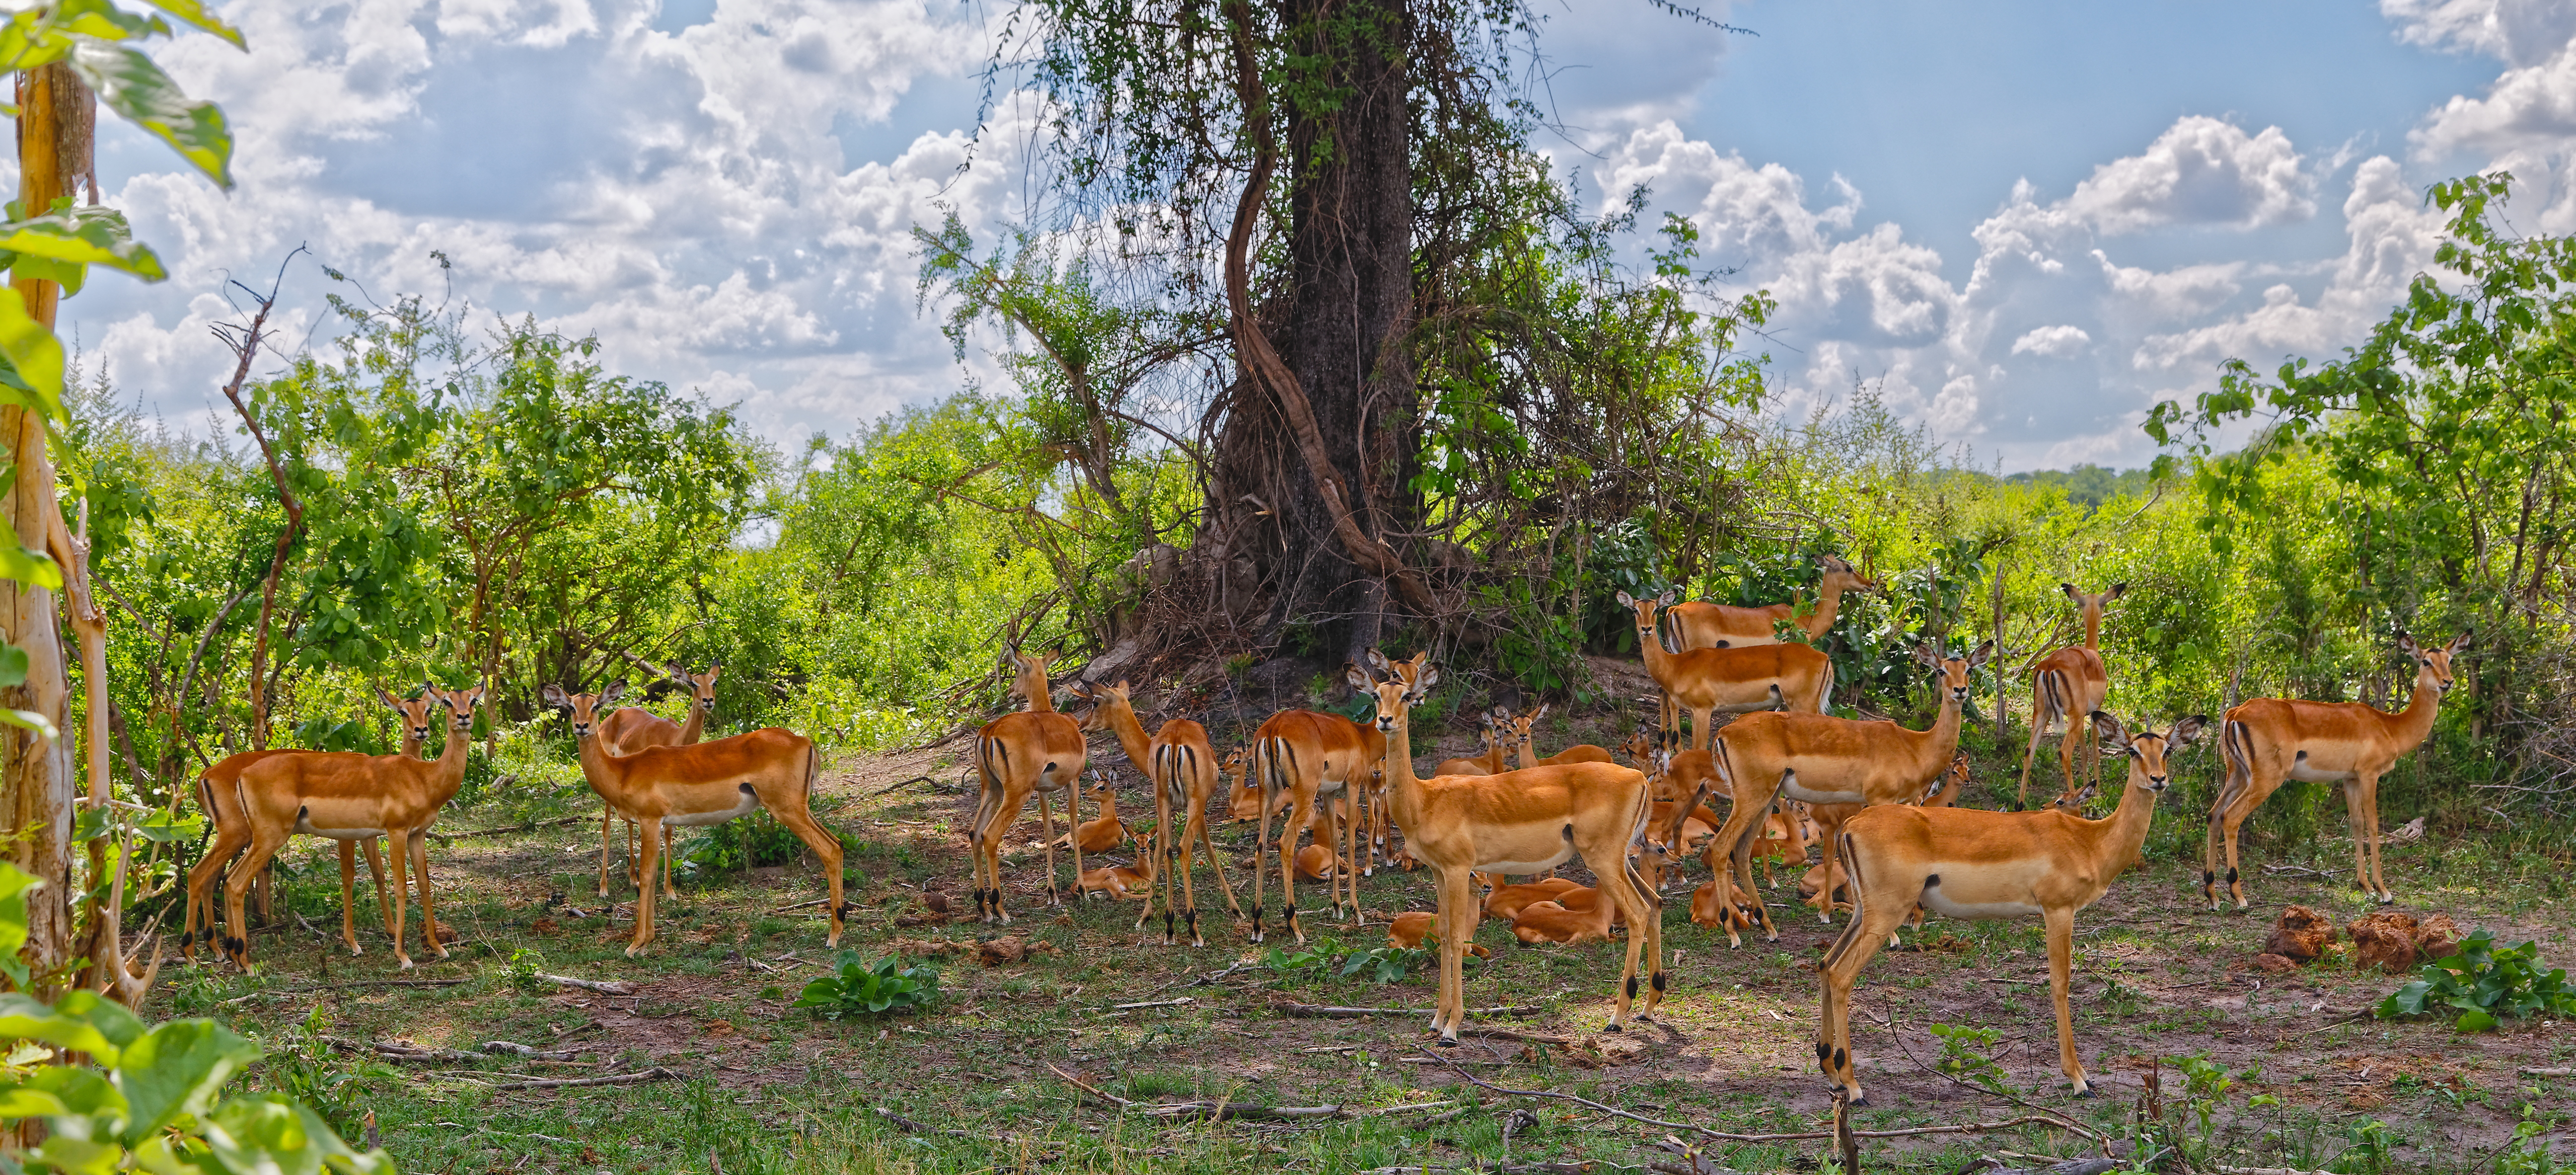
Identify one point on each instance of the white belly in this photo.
(745, 807)
(2301, 771)
(304, 825)
(1519, 867)
(1975, 911)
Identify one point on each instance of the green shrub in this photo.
(858, 987)
(2484, 983)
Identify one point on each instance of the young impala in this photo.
(1729, 681)
(2067, 685)
(632, 728)
(2268, 741)
(1970, 863)
(1183, 769)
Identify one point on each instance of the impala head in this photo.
(1095, 700)
(1640, 747)
(460, 704)
(1398, 685)
(2092, 604)
(2435, 661)
(1954, 671)
(1028, 674)
(415, 712)
(584, 710)
(1945, 789)
(1645, 607)
(2148, 752)
(701, 686)
(1841, 574)
(1522, 724)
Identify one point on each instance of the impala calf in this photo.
(1521, 733)
(2067, 685)
(701, 785)
(1706, 682)
(2269, 741)
(1969, 863)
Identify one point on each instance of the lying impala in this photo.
(2067, 685)
(1183, 770)
(2270, 740)
(1697, 625)
(349, 796)
(1729, 681)
(1516, 822)
(699, 785)
(629, 729)
(1969, 863)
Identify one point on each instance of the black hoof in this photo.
(1447, 1042)
(1859, 1103)
(2087, 1093)
(1615, 1027)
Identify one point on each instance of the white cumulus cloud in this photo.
(2054, 342)
(2202, 170)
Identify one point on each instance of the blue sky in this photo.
(2023, 223)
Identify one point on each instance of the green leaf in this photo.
(121, 1027)
(81, 237)
(18, 1101)
(13, 665)
(136, 88)
(176, 1070)
(274, 1135)
(30, 720)
(163, 826)
(25, 1017)
(2476, 1021)
(70, 275)
(65, 1153)
(195, 13)
(37, 358)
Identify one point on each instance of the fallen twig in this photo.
(1323, 1012)
(909, 1126)
(2557, 1072)
(656, 1073)
(2095, 1166)
(1516, 1034)
(610, 986)
(1152, 1004)
(528, 826)
(889, 788)
(2268, 1171)
(2298, 869)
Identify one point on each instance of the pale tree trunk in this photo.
(36, 781)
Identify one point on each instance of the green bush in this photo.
(2484, 984)
(858, 987)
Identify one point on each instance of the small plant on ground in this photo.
(1326, 954)
(1966, 1054)
(2484, 983)
(857, 987)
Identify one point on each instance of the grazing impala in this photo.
(1968, 863)
(1516, 822)
(703, 784)
(2270, 740)
(349, 796)
(1307, 757)
(1183, 769)
(1036, 750)
(1729, 681)
(2067, 685)
(629, 729)
(1697, 625)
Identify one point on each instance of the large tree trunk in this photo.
(1339, 331)
(36, 781)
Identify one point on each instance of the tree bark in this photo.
(1338, 382)
(36, 780)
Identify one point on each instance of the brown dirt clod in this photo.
(2437, 936)
(2274, 964)
(2300, 936)
(2385, 940)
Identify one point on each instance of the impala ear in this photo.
(389, 699)
(2112, 732)
(2070, 591)
(713, 671)
(2461, 641)
(2406, 644)
(1377, 662)
(554, 696)
(1983, 653)
(1928, 653)
(1430, 676)
(2117, 590)
(1358, 677)
(1666, 597)
(1539, 713)
(1627, 601)
(616, 689)
(2185, 732)
(678, 673)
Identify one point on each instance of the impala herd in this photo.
(1875, 796)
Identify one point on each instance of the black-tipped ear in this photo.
(388, 697)
(616, 689)
(1666, 597)
(2118, 590)
(2461, 641)
(1358, 677)
(1983, 653)
(1627, 601)
(2112, 731)
(2406, 644)
(1430, 676)
(2067, 588)
(2186, 731)
(554, 696)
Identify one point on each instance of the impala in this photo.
(1304, 755)
(1729, 681)
(216, 797)
(1826, 878)
(1968, 863)
(1489, 727)
(1817, 759)
(1698, 625)
(2269, 740)
(349, 796)
(2067, 685)
(1516, 822)
(700, 785)
(1695, 774)
(1101, 835)
(1522, 727)
(1184, 772)
(1035, 750)
(629, 729)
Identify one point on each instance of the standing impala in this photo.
(629, 729)
(1183, 770)
(1516, 822)
(2067, 685)
(1698, 625)
(1817, 759)
(1036, 750)
(1968, 863)
(2270, 740)
(1306, 756)
(700, 785)
(349, 796)
(1729, 681)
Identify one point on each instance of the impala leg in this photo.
(826, 847)
(349, 895)
(670, 836)
(2378, 842)
(2357, 819)
(2061, 959)
(2041, 718)
(1458, 916)
(1261, 853)
(1216, 862)
(1874, 917)
(2235, 881)
(981, 838)
(1072, 836)
(1700, 720)
(607, 838)
(1348, 875)
(229, 840)
(1046, 837)
(1005, 813)
(1154, 849)
(1192, 828)
(1741, 860)
(1299, 816)
(2079, 730)
(236, 940)
(1624, 889)
(650, 829)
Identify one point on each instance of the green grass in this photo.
(970, 1084)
